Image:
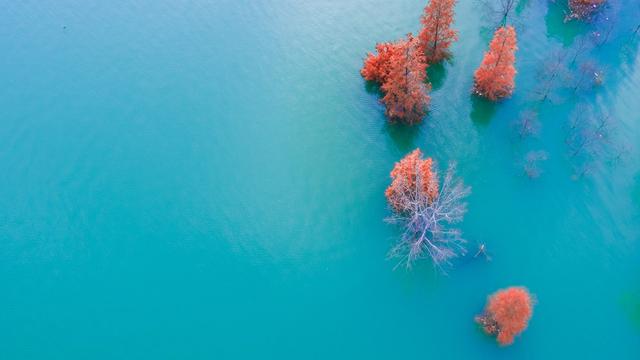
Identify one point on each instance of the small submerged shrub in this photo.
(507, 314)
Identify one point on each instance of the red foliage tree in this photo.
(494, 78)
(410, 175)
(507, 314)
(582, 9)
(436, 34)
(376, 66)
(406, 97)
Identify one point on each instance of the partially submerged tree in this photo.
(406, 99)
(400, 69)
(583, 9)
(507, 314)
(436, 35)
(426, 210)
(494, 78)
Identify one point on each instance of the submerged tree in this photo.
(507, 314)
(589, 140)
(426, 209)
(588, 76)
(532, 161)
(552, 75)
(583, 9)
(406, 99)
(589, 133)
(528, 124)
(494, 78)
(436, 35)
(499, 11)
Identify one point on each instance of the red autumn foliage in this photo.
(436, 34)
(507, 314)
(406, 97)
(411, 172)
(376, 66)
(400, 68)
(494, 78)
(582, 9)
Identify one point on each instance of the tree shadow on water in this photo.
(372, 87)
(482, 110)
(436, 74)
(403, 135)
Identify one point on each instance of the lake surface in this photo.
(204, 180)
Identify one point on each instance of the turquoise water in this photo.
(204, 179)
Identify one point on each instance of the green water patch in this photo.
(404, 136)
(558, 28)
(482, 110)
(631, 305)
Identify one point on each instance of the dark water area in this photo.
(205, 179)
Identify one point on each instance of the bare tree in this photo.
(582, 45)
(532, 161)
(527, 124)
(589, 135)
(589, 140)
(499, 11)
(427, 221)
(588, 76)
(603, 35)
(551, 76)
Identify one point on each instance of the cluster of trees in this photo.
(400, 67)
(426, 208)
(507, 314)
(572, 73)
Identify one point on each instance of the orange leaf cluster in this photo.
(494, 79)
(411, 174)
(507, 313)
(581, 9)
(376, 66)
(436, 34)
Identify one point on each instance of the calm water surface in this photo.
(204, 179)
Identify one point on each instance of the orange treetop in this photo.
(494, 78)
(436, 34)
(507, 313)
(411, 174)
